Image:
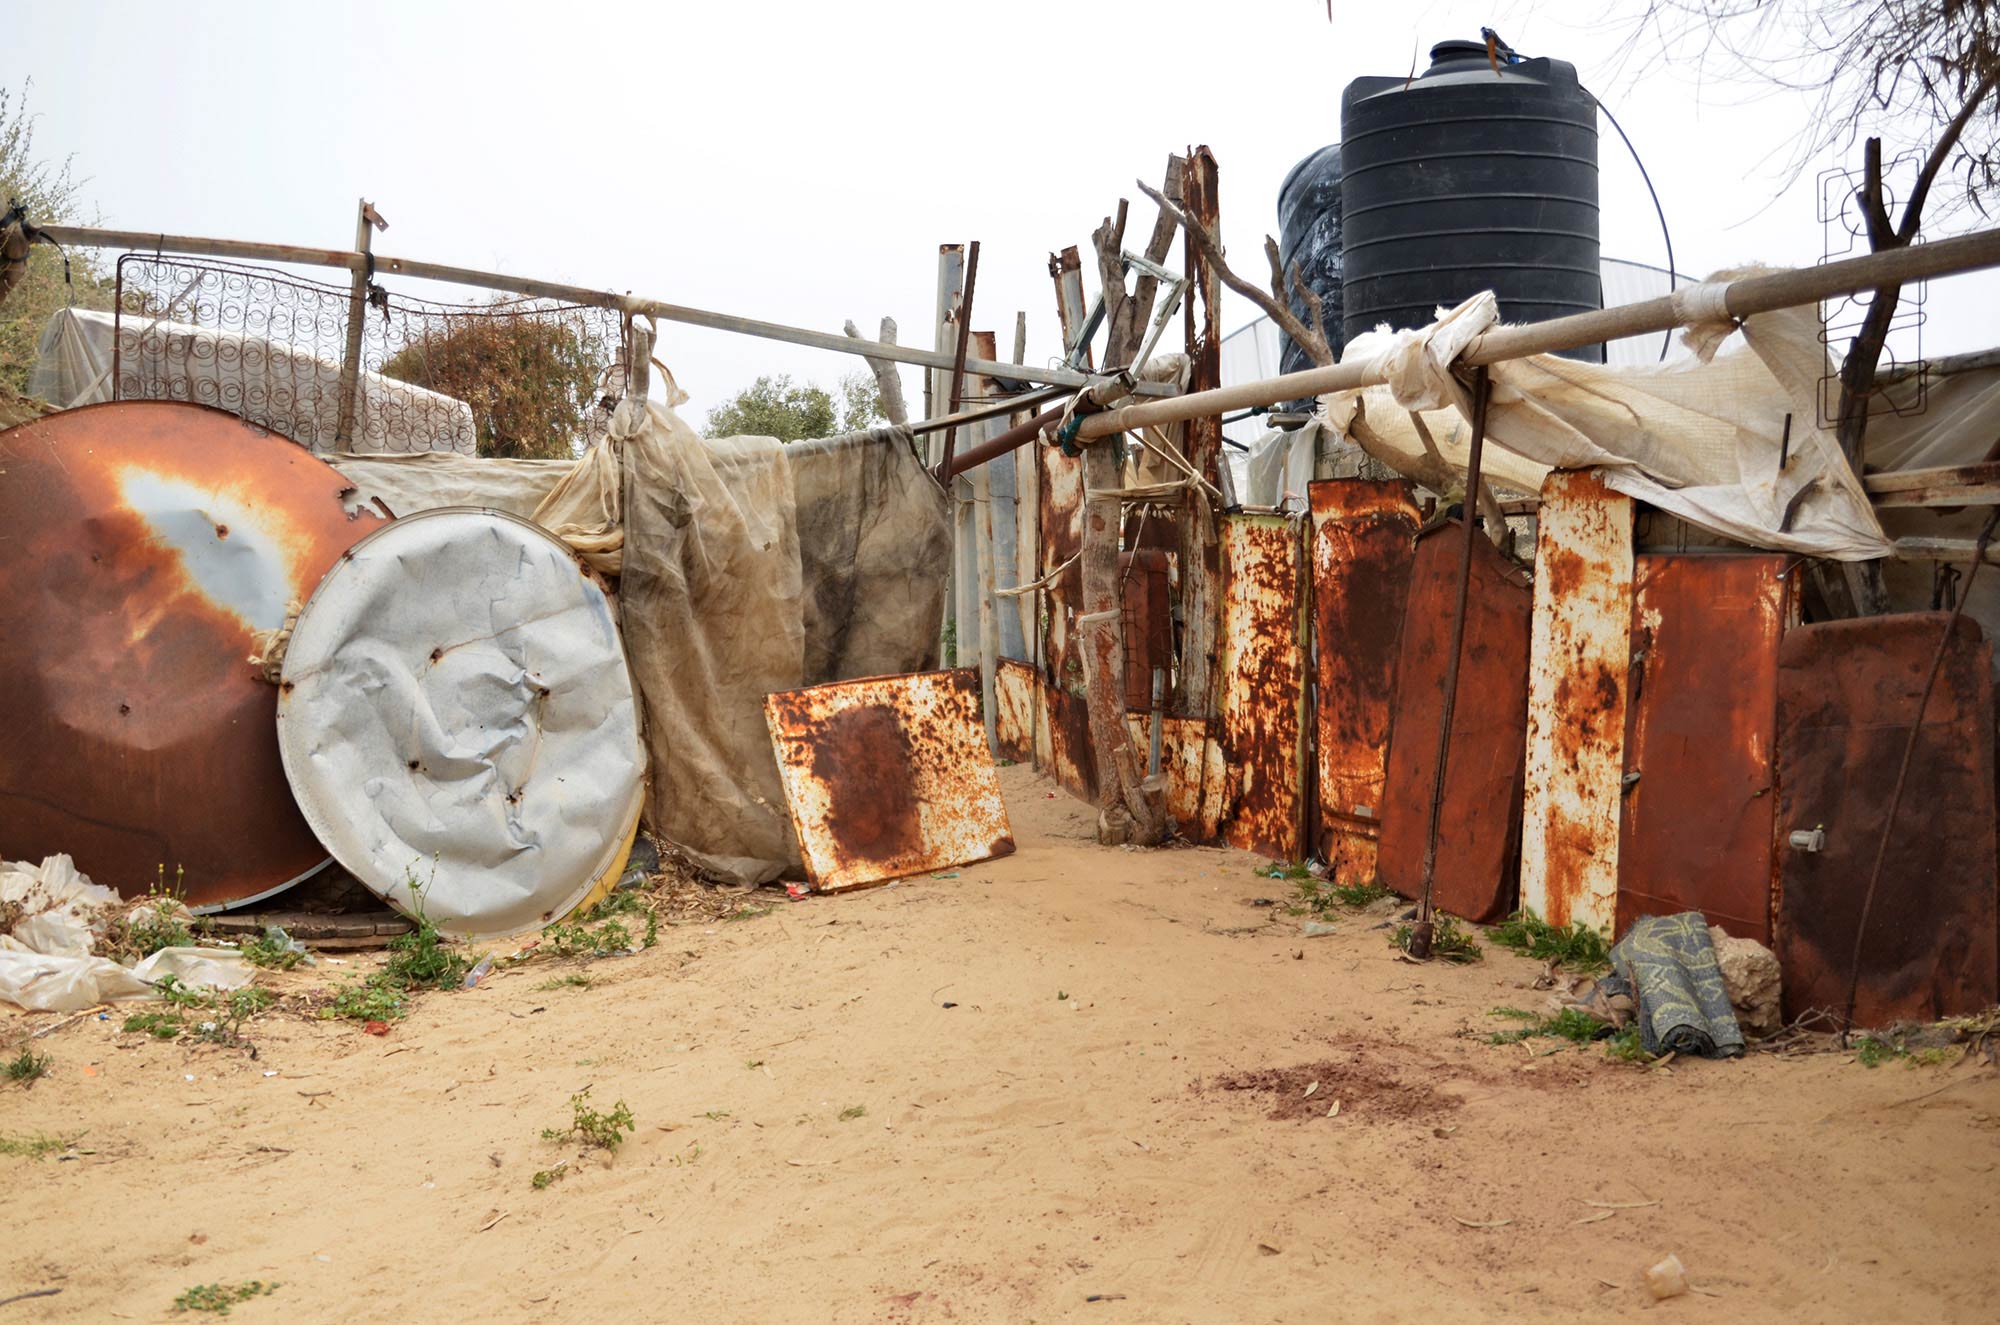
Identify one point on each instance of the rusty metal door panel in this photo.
(1016, 696)
(1479, 833)
(1062, 538)
(1262, 666)
(1695, 830)
(1146, 599)
(1847, 694)
(147, 541)
(1364, 538)
(888, 776)
(1580, 649)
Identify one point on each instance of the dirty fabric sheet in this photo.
(1684, 1007)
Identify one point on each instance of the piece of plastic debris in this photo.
(480, 971)
(1318, 929)
(1668, 1278)
(290, 944)
(946, 874)
(372, 1028)
(797, 891)
(270, 1074)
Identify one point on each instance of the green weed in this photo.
(1322, 896)
(26, 1067)
(215, 1016)
(159, 1025)
(1627, 1047)
(574, 980)
(1279, 869)
(141, 932)
(853, 1111)
(270, 950)
(36, 1145)
(219, 1298)
(546, 1178)
(1571, 1024)
(1575, 945)
(716, 1115)
(377, 998)
(1449, 943)
(603, 1130)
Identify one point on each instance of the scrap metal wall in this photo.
(1262, 675)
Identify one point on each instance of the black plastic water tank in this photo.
(1309, 234)
(1467, 179)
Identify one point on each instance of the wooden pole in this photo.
(1200, 566)
(937, 383)
(357, 323)
(1027, 505)
(985, 560)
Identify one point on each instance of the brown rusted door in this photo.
(1363, 541)
(1263, 680)
(1479, 836)
(1847, 695)
(1702, 697)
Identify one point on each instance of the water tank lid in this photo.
(1450, 52)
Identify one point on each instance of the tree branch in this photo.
(887, 380)
(1311, 339)
(1913, 211)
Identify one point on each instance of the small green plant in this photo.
(754, 1063)
(1573, 1024)
(574, 980)
(1062, 996)
(36, 1145)
(716, 1115)
(159, 1025)
(853, 1111)
(546, 1178)
(157, 923)
(603, 1130)
(1449, 943)
(26, 1067)
(1321, 896)
(220, 1298)
(1576, 945)
(420, 959)
(271, 950)
(1279, 869)
(1627, 1047)
(216, 1016)
(375, 999)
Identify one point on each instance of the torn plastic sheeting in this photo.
(1700, 440)
(456, 717)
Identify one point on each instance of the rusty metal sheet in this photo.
(1072, 759)
(1261, 722)
(888, 776)
(1363, 539)
(1191, 764)
(1479, 835)
(1016, 699)
(1146, 600)
(1702, 696)
(1580, 648)
(1061, 479)
(146, 541)
(1847, 694)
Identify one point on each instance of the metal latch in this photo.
(1808, 839)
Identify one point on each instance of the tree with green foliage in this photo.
(531, 382)
(775, 406)
(52, 196)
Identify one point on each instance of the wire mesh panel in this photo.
(1844, 231)
(512, 377)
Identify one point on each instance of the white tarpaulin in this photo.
(289, 390)
(1700, 440)
(456, 717)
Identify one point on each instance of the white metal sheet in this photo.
(456, 714)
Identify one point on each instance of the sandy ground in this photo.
(1058, 1135)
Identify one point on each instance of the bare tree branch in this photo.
(1954, 132)
(1311, 339)
(887, 379)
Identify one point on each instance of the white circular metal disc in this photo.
(456, 713)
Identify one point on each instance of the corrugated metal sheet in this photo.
(1364, 538)
(1017, 700)
(1262, 664)
(1582, 640)
(1847, 695)
(456, 714)
(1695, 831)
(146, 542)
(888, 776)
(1479, 834)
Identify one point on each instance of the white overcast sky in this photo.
(801, 162)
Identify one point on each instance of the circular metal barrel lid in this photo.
(145, 542)
(456, 719)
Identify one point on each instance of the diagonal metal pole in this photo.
(958, 359)
(1426, 926)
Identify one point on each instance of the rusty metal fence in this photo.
(510, 377)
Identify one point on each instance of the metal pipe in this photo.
(1707, 301)
(1425, 929)
(84, 236)
(1019, 435)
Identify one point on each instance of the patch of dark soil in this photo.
(1365, 1090)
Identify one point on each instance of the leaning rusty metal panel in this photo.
(1062, 539)
(147, 542)
(1847, 694)
(1580, 650)
(1191, 763)
(1479, 829)
(1364, 536)
(1695, 830)
(1072, 759)
(1015, 699)
(888, 776)
(1147, 608)
(1262, 664)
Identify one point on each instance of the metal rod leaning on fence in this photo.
(1425, 929)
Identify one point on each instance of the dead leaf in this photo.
(1335, 1110)
(1310, 1089)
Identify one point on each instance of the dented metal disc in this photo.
(141, 544)
(456, 717)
